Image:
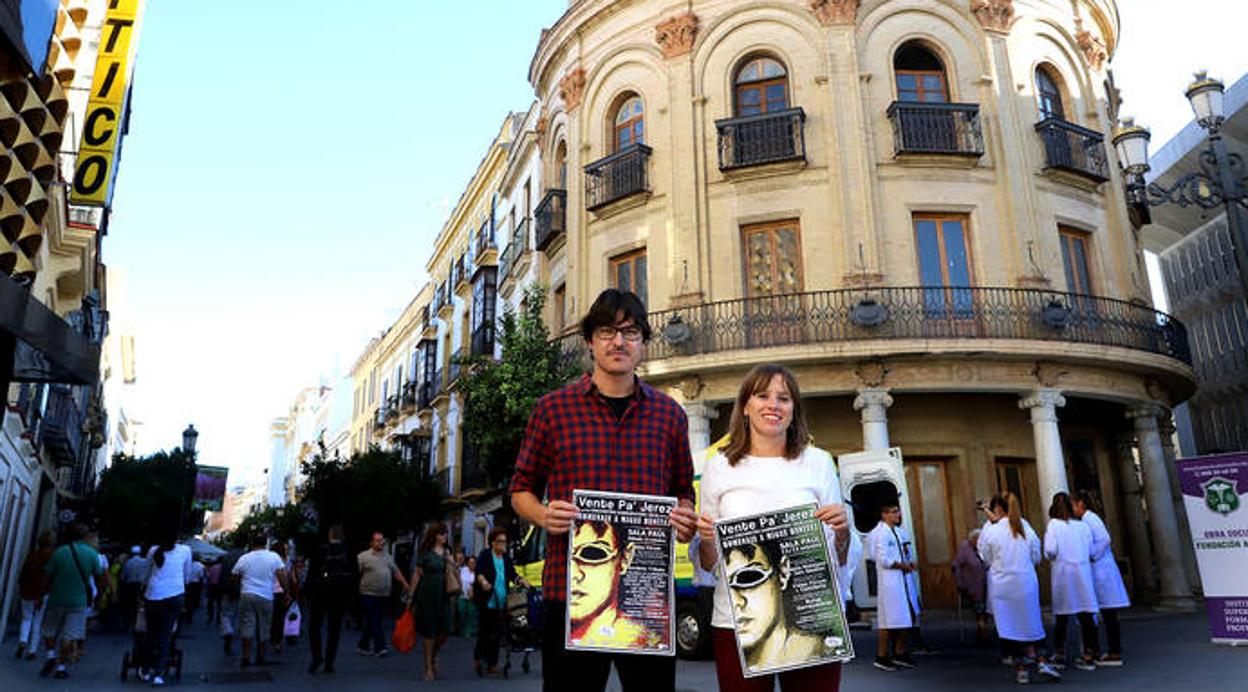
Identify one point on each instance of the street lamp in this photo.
(1221, 180)
(189, 437)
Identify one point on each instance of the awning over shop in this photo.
(48, 349)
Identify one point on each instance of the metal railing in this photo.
(459, 274)
(919, 312)
(617, 176)
(429, 389)
(763, 138)
(550, 218)
(483, 340)
(485, 238)
(454, 369)
(60, 428)
(392, 409)
(514, 251)
(409, 397)
(936, 128)
(1072, 148)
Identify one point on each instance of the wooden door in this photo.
(931, 526)
(1018, 476)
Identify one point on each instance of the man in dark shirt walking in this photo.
(607, 431)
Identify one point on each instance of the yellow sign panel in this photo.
(101, 129)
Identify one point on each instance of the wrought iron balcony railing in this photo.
(910, 313)
(454, 369)
(409, 397)
(763, 138)
(379, 418)
(550, 218)
(429, 389)
(483, 340)
(459, 273)
(1072, 148)
(392, 409)
(936, 128)
(485, 237)
(515, 250)
(60, 428)
(617, 176)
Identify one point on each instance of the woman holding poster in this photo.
(767, 464)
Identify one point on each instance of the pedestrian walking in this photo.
(283, 596)
(767, 464)
(164, 597)
(457, 562)
(495, 571)
(607, 431)
(897, 605)
(71, 571)
(331, 583)
(133, 573)
(431, 594)
(1068, 545)
(215, 586)
(31, 592)
(195, 581)
(1011, 549)
(467, 609)
(971, 577)
(256, 572)
(1111, 593)
(377, 576)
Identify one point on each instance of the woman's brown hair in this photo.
(431, 536)
(757, 380)
(1061, 509)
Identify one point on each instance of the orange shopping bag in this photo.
(405, 632)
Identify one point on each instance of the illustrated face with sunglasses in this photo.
(597, 563)
(756, 584)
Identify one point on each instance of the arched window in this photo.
(1049, 95)
(629, 123)
(761, 85)
(920, 75)
(561, 164)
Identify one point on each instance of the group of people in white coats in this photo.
(1085, 581)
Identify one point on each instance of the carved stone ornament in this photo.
(871, 373)
(572, 88)
(691, 387)
(675, 35)
(994, 15)
(1049, 374)
(830, 12)
(1093, 47)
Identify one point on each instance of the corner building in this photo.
(910, 203)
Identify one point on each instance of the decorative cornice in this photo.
(1093, 47)
(675, 35)
(994, 15)
(572, 88)
(830, 12)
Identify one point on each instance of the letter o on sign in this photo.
(92, 173)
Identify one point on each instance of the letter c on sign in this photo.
(91, 174)
(90, 137)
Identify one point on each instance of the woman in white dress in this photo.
(769, 464)
(1111, 593)
(1068, 545)
(1011, 550)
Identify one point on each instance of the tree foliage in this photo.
(500, 394)
(143, 499)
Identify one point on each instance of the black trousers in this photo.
(322, 608)
(1113, 632)
(586, 671)
(489, 635)
(1087, 630)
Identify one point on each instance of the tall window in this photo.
(920, 75)
(484, 305)
(628, 273)
(630, 123)
(773, 258)
(944, 263)
(761, 85)
(560, 304)
(528, 199)
(1075, 260)
(1049, 95)
(561, 164)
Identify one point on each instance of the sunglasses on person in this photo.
(749, 577)
(594, 554)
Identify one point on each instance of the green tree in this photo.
(500, 394)
(141, 499)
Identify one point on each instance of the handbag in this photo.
(293, 621)
(404, 635)
(453, 584)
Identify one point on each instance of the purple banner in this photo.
(1215, 497)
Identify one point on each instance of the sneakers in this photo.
(1022, 677)
(382, 653)
(145, 675)
(362, 650)
(1058, 662)
(60, 673)
(1109, 661)
(903, 661)
(158, 681)
(1085, 663)
(1048, 672)
(885, 663)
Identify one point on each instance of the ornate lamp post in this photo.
(189, 437)
(1221, 180)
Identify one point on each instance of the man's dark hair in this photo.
(612, 307)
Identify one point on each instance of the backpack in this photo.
(337, 572)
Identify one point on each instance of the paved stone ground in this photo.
(1164, 652)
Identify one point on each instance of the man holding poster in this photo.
(608, 431)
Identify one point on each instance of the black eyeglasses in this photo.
(594, 554)
(630, 333)
(749, 577)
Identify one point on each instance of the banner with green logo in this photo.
(1215, 495)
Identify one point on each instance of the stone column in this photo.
(874, 403)
(1140, 550)
(1175, 593)
(1166, 428)
(1050, 463)
(700, 416)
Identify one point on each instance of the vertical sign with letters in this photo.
(101, 128)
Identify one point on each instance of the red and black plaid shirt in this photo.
(574, 441)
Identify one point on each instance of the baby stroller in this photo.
(523, 626)
(140, 654)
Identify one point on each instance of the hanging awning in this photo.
(48, 349)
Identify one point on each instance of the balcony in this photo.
(1078, 150)
(408, 404)
(392, 410)
(428, 390)
(60, 429)
(443, 305)
(617, 176)
(936, 128)
(550, 219)
(516, 255)
(483, 340)
(460, 275)
(754, 140)
(486, 247)
(454, 369)
(379, 421)
(442, 479)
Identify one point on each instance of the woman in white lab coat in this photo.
(1111, 593)
(897, 609)
(1011, 549)
(1068, 545)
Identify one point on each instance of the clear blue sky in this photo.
(290, 162)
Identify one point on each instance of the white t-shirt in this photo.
(763, 484)
(170, 579)
(258, 570)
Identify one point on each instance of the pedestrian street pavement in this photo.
(1163, 652)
